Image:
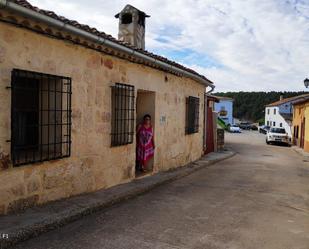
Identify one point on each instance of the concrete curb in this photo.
(301, 152)
(41, 219)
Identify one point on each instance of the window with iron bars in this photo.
(192, 114)
(122, 114)
(40, 117)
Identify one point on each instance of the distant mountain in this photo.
(251, 105)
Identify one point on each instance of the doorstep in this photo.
(15, 228)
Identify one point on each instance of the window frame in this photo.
(192, 106)
(23, 154)
(126, 94)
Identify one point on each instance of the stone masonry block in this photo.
(108, 63)
(22, 204)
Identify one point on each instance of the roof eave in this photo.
(29, 13)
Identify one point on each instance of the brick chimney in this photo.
(132, 26)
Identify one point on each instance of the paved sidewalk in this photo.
(302, 153)
(37, 220)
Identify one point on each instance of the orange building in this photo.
(301, 123)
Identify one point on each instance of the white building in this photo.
(280, 113)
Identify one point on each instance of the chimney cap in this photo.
(128, 6)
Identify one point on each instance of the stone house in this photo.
(71, 97)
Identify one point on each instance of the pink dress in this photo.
(145, 145)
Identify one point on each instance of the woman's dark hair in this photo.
(146, 116)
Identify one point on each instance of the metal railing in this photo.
(122, 114)
(40, 117)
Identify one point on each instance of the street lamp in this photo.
(306, 82)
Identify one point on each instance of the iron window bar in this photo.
(41, 117)
(122, 114)
(192, 115)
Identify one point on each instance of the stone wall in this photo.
(220, 139)
(93, 163)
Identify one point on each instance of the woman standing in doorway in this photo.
(145, 143)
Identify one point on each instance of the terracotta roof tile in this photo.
(283, 101)
(302, 100)
(212, 98)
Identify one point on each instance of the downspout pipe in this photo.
(211, 90)
(5, 4)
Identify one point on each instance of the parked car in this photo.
(245, 125)
(234, 129)
(264, 129)
(278, 135)
(253, 127)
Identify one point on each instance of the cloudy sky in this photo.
(241, 45)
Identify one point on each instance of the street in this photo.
(256, 199)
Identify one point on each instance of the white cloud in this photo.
(259, 44)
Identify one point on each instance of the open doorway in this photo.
(145, 104)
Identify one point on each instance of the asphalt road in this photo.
(257, 199)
